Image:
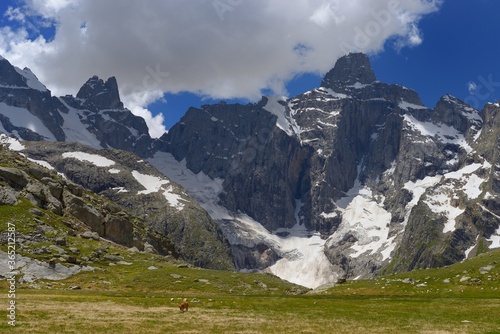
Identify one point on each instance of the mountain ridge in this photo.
(383, 182)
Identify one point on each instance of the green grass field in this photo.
(133, 299)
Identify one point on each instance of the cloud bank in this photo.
(215, 48)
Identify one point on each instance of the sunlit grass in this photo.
(134, 299)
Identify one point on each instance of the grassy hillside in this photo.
(130, 298)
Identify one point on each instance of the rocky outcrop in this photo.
(349, 70)
(100, 94)
(136, 186)
(46, 190)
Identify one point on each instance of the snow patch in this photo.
(120, 189)
(473, 186)
(332, 93)
(359, 85)
(12, 143)
(468, 250)
(440, 203)
(42, 163)
(364, 217)
(20, 117)
(418, 188)
(463, 171)
(303, 261)
(175, 200)
(151, 183)
(95, 159)
(31, 79)
(154, 184)
(283, 121)
(407, 105)
(328, 215)
(495, 239)
(75, 130)
(442, 132)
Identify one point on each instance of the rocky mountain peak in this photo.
(453, 112)
(349, 70)
(104, 95)
(12, 77)
(9, 76)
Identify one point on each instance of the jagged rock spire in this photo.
(348, 70)
(104, 95)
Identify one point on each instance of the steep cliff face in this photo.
(379, 175)
(233, 142)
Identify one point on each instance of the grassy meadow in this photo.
(133, 297)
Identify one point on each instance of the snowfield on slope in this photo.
(303, 260)
(153, 184)
(439, 201)
(94, 159)
(21, 117)
(364, 217)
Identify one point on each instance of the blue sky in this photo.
(461, 44)
(238, 50)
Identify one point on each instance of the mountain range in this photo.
(349, 180)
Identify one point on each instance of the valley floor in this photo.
(63, 311)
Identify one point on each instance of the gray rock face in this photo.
(349, 70)
(33, 269)
(103, 95)
(8, 196)
(234, 141)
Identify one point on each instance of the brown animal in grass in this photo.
(184, 305)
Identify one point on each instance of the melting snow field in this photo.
(95, 159)
(303, 261)
(75, 130)
(440, 202)
(444, 133)
(364, 217)
(23, 118)
(154, 184)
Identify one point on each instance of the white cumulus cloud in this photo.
(215, 48)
